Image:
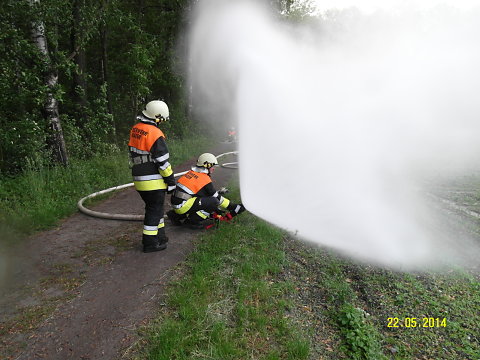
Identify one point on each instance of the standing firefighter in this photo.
(151, 171)
(195, 198)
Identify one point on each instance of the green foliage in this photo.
(100, 129)
(359, 335)
(39, 198)
(129, 58)
(111, 56)
(22, 131)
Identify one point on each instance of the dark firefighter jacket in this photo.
(149, 155)
(195, 183)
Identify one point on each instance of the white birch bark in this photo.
(50, 109)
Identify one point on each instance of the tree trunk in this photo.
(104, 64)
(55, 141)
(135, 108)
(141, 9)
(78, 49)
(103, 43)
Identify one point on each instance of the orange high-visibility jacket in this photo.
(144, 135)
(149, 155)
(196, 181)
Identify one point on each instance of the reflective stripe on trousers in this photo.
(184, 206)
(153, 224)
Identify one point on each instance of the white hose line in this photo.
(109, 216)
(227, 153)
(231, 165)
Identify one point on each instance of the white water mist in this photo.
(341, 123)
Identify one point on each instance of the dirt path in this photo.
(88, 284)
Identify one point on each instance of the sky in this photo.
(369, 6)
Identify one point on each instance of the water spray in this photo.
(344, 124)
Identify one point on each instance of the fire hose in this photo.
(110, 216)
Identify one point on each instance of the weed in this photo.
(359, 335)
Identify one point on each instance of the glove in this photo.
(223, 190)
(171, 188)
(239, 208)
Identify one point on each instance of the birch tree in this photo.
(56, 141)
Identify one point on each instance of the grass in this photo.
(37, 199)
(228, 304)
(359, 300)
(450, 296)
(250, 292)
(325, 289)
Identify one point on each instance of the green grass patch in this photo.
(229, 304)
(37, 199)
(358, 337)
(451, 296)
(362, 301)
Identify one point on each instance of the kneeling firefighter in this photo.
(151, 171)
(195, 198)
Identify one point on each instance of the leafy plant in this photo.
(358, 334)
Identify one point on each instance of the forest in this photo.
(75, 73)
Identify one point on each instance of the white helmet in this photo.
(207, 160)
(156, 110)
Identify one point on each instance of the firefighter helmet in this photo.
(207, 160)
(156, 110)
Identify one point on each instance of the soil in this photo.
(83, 289)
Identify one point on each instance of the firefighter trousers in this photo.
(153, 224)
(201, 209)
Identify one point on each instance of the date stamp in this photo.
(413, 322)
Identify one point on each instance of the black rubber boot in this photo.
(163, 240)
(174, 218)
(152, 244)
(154, 247)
